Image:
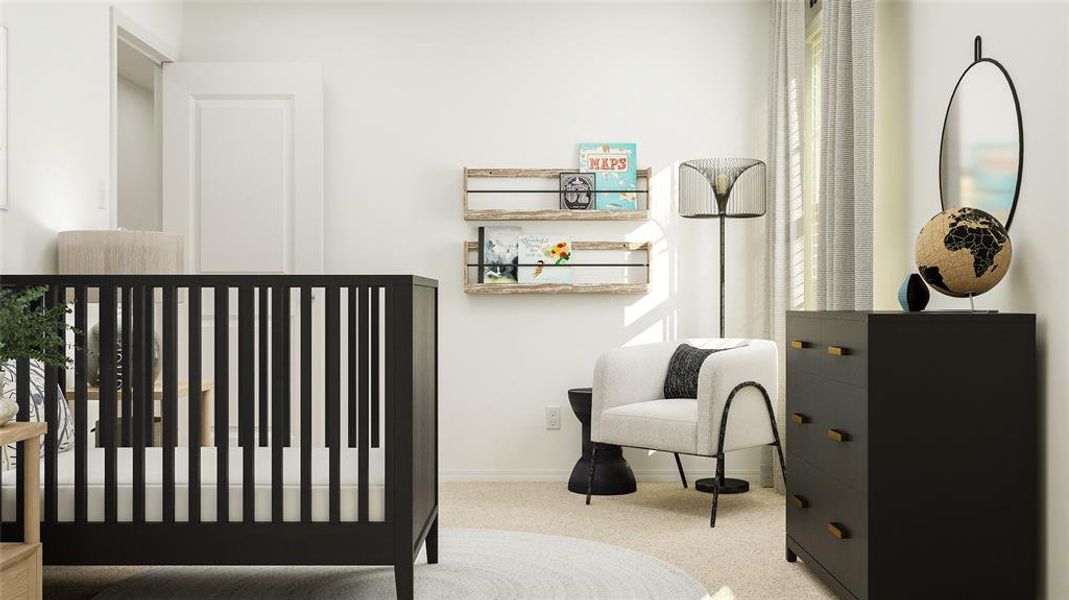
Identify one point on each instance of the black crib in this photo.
(397, 313)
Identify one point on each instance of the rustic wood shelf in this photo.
(553, 214)
(642, 287)
(553, 288)
(544, 214)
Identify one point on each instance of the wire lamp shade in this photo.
(722, 187)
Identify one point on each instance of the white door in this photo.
(243, 181)
(243, 165)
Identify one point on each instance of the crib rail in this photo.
(390, 326)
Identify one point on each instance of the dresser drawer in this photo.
(804, 345)
(845, 351)
(827, 425)
(830, 521)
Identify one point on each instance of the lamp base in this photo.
(729, 485)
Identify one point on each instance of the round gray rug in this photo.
(475, 564)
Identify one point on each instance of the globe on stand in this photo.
(963, 252)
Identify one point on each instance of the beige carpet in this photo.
(476, 564)
(742, 558)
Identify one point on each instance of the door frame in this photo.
(126, 30)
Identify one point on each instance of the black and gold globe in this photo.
(963, 252)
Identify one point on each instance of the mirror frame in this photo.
(977, 59)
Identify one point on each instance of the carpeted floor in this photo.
(742, 558)
(476, 564)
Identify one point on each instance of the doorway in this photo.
(137, 165)
(138, 193)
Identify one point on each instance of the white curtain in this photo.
(843, 243)
(844, 246)
(783, 221)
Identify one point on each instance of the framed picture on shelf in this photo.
(577, 191)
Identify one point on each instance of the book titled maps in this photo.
(615, 169)
(543, 259)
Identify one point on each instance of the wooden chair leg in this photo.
(590, 474)
(682, 475)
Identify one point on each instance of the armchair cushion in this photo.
(681, 381)
(669, 425)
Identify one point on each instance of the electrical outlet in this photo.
(552, 417)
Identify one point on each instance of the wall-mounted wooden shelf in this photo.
(544, 214)
(642, 287)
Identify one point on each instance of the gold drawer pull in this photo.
(837, 351)
(799, 418)
(837, 435)
(837, 532)
(799, 344)
(799, 501)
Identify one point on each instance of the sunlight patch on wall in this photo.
(661, 281)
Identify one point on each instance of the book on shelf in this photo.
(614, 167)
(577, 191)
(544, 258)
(498, 254)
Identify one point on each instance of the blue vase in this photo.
(913, 295)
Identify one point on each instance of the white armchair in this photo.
(629, 408)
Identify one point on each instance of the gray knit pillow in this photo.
(681, 381)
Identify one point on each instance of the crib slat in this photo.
(246, 401)
(106, 424)
(284, 355)
(52, 419)
(22, 398)
(333, 400)
(149, 342)
(222, 402)
(375, 340)
(126, 347)
(365, 446)
(81, 404)
(280, 384)
(351, 368)
(263, 354)
(306, 404)
(193, 403)
(170, 397)
(142, 371)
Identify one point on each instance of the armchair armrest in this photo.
(748, 424)
(627, 375)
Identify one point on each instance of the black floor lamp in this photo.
(722, 188)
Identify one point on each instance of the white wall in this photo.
(59, 98)
(1031, 41)
(57, 128)
(415, 92)
(139, 204)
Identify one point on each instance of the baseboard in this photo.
(752, 476)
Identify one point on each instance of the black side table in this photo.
(613, 475)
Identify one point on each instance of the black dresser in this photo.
(913, 453)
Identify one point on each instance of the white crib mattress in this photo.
(154, 484)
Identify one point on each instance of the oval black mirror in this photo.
(982, 150)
